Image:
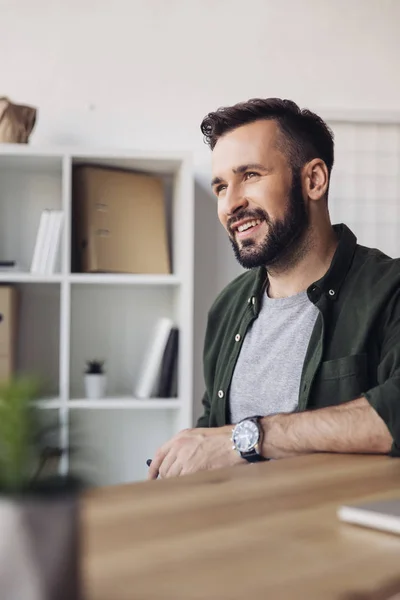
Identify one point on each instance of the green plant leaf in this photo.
(18, 425)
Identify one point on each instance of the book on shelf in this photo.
(48, 240)
(169, 366)
(158, 359)
(8, 265)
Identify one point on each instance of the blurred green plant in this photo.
(18, 430)
(24, 441)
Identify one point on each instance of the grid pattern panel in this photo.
(365, 185)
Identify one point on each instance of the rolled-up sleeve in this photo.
(204, 420)
(385, 397)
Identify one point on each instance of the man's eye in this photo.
(250, 174)
(220, 188)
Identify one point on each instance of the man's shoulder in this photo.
(374, 272)
(376, 261)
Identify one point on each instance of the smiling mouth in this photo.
(249, 225)
(247, 229)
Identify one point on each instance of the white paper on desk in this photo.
(379, 514)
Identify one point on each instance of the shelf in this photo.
(126, 402)
(165, 163)
(24, 277)
(49, 403)
(124, 279)
(111, 403)
(25, 157)
(31, 156)
(90, 278)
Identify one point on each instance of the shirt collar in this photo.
(330, 283)
(333, 279)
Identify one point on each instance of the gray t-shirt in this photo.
(267, 374)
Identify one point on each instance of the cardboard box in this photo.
(8, 330)
(119, 222)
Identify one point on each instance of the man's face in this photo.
(260, 203)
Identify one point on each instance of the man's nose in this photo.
(235, 201)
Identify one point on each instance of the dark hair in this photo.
(305, 134)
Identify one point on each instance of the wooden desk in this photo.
(265, 531)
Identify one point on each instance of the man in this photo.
(302, 351)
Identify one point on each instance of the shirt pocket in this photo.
(341, 380)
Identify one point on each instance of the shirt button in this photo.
(220, 394)
(237, 337)
(253, 300)
(331, 292)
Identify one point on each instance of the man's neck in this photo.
(310, 263)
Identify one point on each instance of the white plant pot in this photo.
(95, 386)
(40, 544)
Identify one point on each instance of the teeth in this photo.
(248, 225)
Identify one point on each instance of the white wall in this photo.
(143, 73)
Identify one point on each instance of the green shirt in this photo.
(354, 348)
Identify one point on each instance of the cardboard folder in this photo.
(8, 333)
(119, 221)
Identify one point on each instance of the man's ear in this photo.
(316, 179)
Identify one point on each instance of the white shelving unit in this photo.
(67, 318)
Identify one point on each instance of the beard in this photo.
(282, 243)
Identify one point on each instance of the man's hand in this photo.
(194, 450)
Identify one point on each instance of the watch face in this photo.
(245, 436)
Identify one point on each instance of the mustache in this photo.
(256, 213)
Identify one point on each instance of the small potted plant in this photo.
(95, 379)
(39, 508)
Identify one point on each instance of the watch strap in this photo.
(253, 456)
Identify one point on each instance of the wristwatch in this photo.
(247, 438)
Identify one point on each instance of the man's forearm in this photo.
(351, 427)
